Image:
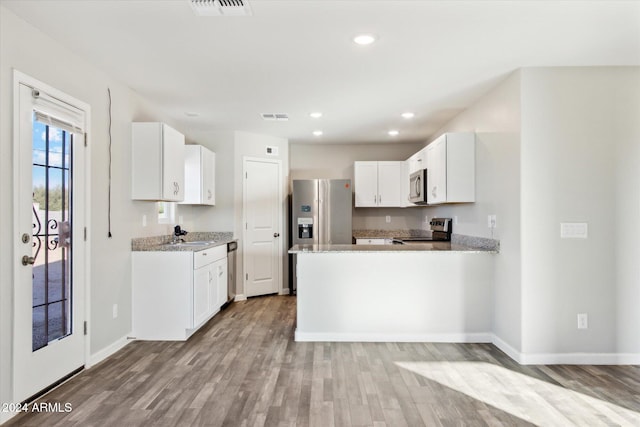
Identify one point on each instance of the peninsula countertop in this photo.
(413, 247)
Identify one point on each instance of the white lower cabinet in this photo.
(175, 293)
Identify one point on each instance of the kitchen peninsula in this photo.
(437, 291)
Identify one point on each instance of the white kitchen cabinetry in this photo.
(176, 292)
(157, 160)
(451, 169)
(378, 184)
(199, 176)
(417, 161)
(374, 241)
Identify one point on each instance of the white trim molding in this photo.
(479, 337)
(566, 358)
(240, 297)
(108, 351)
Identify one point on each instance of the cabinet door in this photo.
(366, 183)
(202, 279)
(389, 184)
(437, 171)
(172, 164)
(221, 278)
(208, 177)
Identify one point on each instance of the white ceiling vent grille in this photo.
(280, 117)
(220, 7)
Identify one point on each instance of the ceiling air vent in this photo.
(220, 7)
(280, 117)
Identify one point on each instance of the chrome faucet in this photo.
(178, 232)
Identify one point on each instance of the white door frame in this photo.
(280, 264)
(18, 247)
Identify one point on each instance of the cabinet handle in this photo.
(209, 194)
(220, 271)
(433, 191)
(375, 199)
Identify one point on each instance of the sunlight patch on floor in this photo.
(528, 398)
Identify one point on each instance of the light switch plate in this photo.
(574, 230)
(388, 219)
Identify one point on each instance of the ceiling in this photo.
(434, 58)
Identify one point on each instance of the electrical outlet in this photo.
(583, 321)
(388, 219)
(455, 219)
(491, 221)
(180, 219)
(115, 311)
(426, 219)
(144, 220)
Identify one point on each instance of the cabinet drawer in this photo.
(379, 241)
(207, 256)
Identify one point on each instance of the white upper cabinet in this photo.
(417, 161)
(199, 176)
(157, 161)
(451, 169)
(378, 184)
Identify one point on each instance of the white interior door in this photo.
(49, 292)
(263, 219)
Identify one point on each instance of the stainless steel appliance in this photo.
(320, 214)
(417, 187)
(232, 248)
(440, 232)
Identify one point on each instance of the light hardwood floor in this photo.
(244, 369)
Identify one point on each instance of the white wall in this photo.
(496, 120)
(219, 217)
(310, 161)
(24, 48)
(253, 145)
(580, 162)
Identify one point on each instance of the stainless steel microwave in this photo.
(417, 187)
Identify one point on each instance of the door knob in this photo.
(276, 234)
(26, 260)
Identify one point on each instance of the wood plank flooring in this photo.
(244, 369)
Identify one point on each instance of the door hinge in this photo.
(85, 327)
(85, 139)
(85, 234)
(246, 276)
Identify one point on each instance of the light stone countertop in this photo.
(162, 243)
(413, 247)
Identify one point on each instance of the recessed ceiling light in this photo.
(393, 133)
(364, 39)
(191, 114)
(317, 133)
(315, 114)
(408, 115)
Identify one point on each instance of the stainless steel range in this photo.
(440, 232)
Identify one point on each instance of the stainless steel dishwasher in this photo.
(232, 248)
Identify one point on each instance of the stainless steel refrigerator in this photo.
(320, 214)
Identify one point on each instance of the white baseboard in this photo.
(240, 297)
(284, 291)
(375, 337)
(101, 355)
(507, 349)
(566, 358)
(580, 359)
